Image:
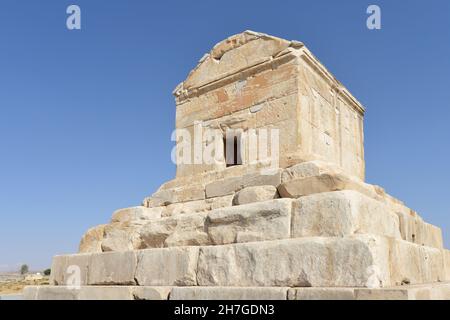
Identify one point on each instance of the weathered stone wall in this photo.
(278, 85)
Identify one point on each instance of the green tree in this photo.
(47, 272)
(24, 269)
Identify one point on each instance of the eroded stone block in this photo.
(259, 221)
(66, 268)
(92, 240)
(228, 293)
(111, 268)
(167, 266)
(414, 264)
(179, 230)
(321, 294)
(342, 213)
(360, 261)
(255, 194)
(323, 183)
(137, 213)
(231, 185)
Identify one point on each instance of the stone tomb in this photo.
(311, 229)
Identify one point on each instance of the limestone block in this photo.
(179, 230)
(221, 202)
(56, 293)
(228, 293)
(198, 205)
(309, 169)
(68, 269)
(234, 54)
(137, 213)
(230, 185)
(96, 293)
(165, 197)
(428, 234)
(117, 240)
(105, 293)
(433, 291)
(321, 294)
(151, 293)
(255, 194)
(414, 229)
(382, 294)
(235, 96)
(123, 293)
(357, 261)
(167, 266)
(111, 268)
(92, 240)
(30, 293)
(446, 255)
(276, 110)
(187, 207)
(323, 183)
(414, 264)
(259, 221)
(159, 198)
(223, 187)
(122, 236)
(342, 213)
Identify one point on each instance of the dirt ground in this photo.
(15, 286)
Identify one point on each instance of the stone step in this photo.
(344, 205)
(435, 291)
(339, 213)
(358, 261)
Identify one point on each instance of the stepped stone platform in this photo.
(310, 228)
(439, 291)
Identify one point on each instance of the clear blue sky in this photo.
(86, 116)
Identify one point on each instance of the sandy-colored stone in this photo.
(96, 293)
(296, 263)
(228, 293)
(446, 255)
(309, 169)
(165, 197)
(70, 269)
(255, 194)
(198, 206)
(321, 294)
(112, 268)
(342, 213)
(179, 230)
(122, 236)
(323, 183)
(415, 264)
(55, 293)
(233, 54)
(92, 240)
(436, 291)
(231, 185)
(105, 293)
(137, 213)
(259, 221)
(151, 293)
(414, 229)
(167, 267)
(187, 207)
(31, 293)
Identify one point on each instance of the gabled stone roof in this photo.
(246, 50)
